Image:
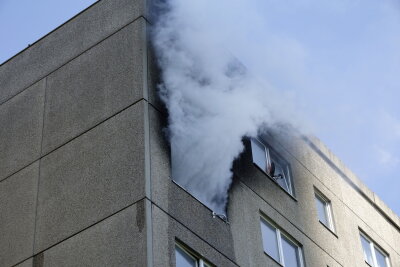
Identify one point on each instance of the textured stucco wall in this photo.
(85, 176)
(72, 161)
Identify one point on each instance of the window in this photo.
(373, 255)
(324, 210)
(185, 258)
(279, 246)
(273, 164)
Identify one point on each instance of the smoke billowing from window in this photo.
(213, 97)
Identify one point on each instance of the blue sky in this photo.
(339, 59)
(348, 54)
(25, 21)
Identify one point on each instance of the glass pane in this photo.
(321, 207)
(270, 242)
(279, 169)
(290, 253)
(183, 259)
(380, 258)
(281, 174)
(367, 250)
(258, 151)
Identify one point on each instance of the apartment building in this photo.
(85, 170)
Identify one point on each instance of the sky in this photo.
(348, 56)
(338, 61)
(23, 22)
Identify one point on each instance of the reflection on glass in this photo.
(367, 250)
(273, 164)
(259, 157)
(281, 174)
(183, 259)
(321, 207)
(380, 258)
(270, 241)
(290, 253)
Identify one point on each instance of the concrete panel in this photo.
(154, 79)
(68, 41)
(343, 195)
(95, 85)
(167, 230)
(27, 263)
(91, 177)
(301, 152)
(363, 210)
(119, 240)
(21, 121)
(302, 212)
(390, 213)
(318, 147)
(198, 218)
(159, 157)
(176, 201)
(245, 210)
(314, 256)
(350, 240)
(269, 190)
(380, 240)
(17, 215)
(395, 257)
(248, 243)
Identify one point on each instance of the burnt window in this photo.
(273, 164)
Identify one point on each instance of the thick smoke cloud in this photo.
(213, 98)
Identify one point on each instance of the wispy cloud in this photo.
(386, 158)
(391, 124)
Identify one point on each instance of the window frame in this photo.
(279, 236)
(374, 247)
(327, 210)
(267, 152)
(200, 261)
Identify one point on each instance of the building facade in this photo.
(85, 172)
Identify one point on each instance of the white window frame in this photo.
(200, 262)
(279, 235)
(374, 247)
(327, 209)
(288, 179)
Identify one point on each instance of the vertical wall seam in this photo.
(40, 160)
(147, 157)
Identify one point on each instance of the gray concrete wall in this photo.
(253, 194)
(353, 207)
(72, 150)
(85, 173)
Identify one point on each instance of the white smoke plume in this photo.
(212, 95)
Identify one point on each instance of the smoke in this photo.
(211, 89)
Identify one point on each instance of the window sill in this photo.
(273, 259)
(272, 179)
(329, 229)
